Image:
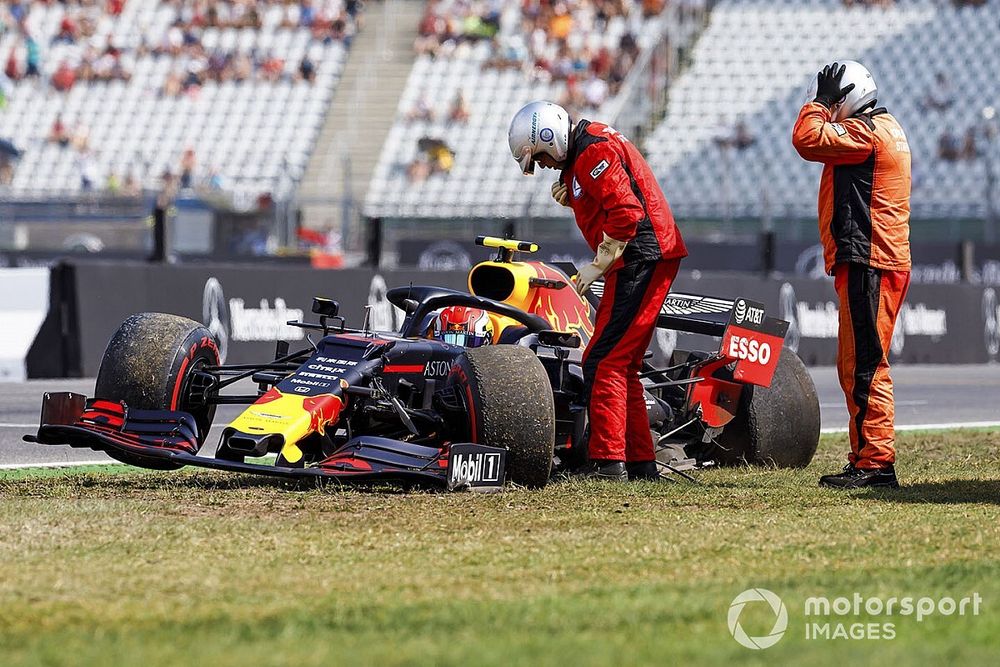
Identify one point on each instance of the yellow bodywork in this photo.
(292, 416)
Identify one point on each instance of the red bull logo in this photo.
(323, 409)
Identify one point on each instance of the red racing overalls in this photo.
(612, 191)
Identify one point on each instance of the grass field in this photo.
(202, 568)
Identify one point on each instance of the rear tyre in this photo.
(776, 425)
(148, 365)
(510, 406)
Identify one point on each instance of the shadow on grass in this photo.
(953, 492)
(229, 481)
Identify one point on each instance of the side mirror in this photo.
(559, 339)
(410, 305)
(325, 307)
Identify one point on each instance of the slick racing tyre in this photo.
(776, 425)
(510, 405)
(148, 365)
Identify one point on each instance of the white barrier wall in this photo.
(24, 303)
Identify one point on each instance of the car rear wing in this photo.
(750, 338)
(692, 313)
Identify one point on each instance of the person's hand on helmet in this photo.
(560, 194)
(607, 253)
(828, 90)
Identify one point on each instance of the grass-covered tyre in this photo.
(148, 365)
(776, 425)
(511, 406)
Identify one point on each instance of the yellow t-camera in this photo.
(506, 247)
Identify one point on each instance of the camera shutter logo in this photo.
(780, 618)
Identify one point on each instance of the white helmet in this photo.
(863, 96)
(539, 127)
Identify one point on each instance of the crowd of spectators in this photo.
(87, 24)
(84, 44)
(548, 40)
(552, 40)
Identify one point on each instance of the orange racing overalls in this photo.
(864, 225)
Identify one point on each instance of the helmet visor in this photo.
(463, 339)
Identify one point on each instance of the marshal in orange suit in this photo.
(864, 224)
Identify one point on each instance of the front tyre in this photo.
(148, 365)
(510, 405)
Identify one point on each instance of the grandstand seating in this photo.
(754, 63)
(484, 181)
(252, 136)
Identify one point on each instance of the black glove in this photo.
(828, 90)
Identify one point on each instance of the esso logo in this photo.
(749, 349)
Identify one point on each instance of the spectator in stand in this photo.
(459, 111)
(88, 171)
(12, 70)
(421, 110)
(948, 148)
(970, 151)
(64, 77)
(68, 30)
(6, 170)
(188, 163)
(742, 137)
(32, 57)
(173, 85)
(131, 188)
(939, 97)
(81, 138)
(307, 69)
(59, 134)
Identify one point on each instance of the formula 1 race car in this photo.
(361, 406)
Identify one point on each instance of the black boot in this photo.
(643, 471)
(857, 478)
(613, 471)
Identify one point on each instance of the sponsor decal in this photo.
(534, 127)
(437, 369)
(232, 320)
(577, 190)
(839, 129)
(744, 312)
(919, 320)
(546, 134)
(444, 256)
(754, 342)
(599, 169)
(475, 466)
(264, 323)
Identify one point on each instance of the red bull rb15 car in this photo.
(424, 406)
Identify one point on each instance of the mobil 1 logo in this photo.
(477, 467)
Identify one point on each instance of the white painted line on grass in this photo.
(54, 464)
(924, 427)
